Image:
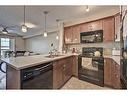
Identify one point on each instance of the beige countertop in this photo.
(115, 58)
(28, 61)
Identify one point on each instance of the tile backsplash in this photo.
(107, 46)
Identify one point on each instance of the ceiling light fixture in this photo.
(57, 36)
(87, 8)
(24, 27)
(45, 32)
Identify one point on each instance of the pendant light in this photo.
(57, 36)
(45, 32)
(24, 27)
(4, 31)
(87, 8)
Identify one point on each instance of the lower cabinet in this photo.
(75, 66)
(62, 71)
(111, 73)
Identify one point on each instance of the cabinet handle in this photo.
(64, 66)
(117, 66)
(116, 36)
(116, 75)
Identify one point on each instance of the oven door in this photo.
(91, 70)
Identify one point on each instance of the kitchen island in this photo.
(16, 64)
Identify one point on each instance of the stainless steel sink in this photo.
(53, 56)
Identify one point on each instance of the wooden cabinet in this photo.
(91, 26)
(117, 27)
(116, 75)
(111, 73)
(109, 25)
(108, 29)
(62, 71)
(57, 74)
(72, 34)
(68, 35)
(75, 66)
(108, 72)
(76, 34)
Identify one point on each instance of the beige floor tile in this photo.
(75, 83)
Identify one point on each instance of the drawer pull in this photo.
(64, 66)
(116, 75)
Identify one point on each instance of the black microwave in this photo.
(91, 36)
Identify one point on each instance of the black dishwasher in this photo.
(37, 77)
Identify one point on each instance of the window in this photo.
(5, 43)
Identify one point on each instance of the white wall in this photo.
(19, 44)
(39, 44)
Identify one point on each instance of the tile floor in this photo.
(75, 83)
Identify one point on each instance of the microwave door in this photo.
(88, 38)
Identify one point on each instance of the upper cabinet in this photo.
(109, 25)
(117, 27)
(91, 26)
(108, 29)
(68, 35)
(76, 34)
(72, 34)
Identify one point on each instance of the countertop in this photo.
(29, 61)
(115, 58)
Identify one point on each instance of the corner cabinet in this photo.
(108, 29)
(72, 34)
(62, 71)
(111, 73)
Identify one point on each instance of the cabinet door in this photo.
(57, 75)
(108, 29)
(68, 31)
(117, 27)
(67, 69)
(75, 66)
(76, 34)
(95, 25)
(84, 27)
(108, 72)
(91, 26)
(116, 75)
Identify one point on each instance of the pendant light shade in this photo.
(4, 31)
(24, 27)
(57, 36)
(45, 32)
(87, 9)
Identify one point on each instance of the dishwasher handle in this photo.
(40, 68)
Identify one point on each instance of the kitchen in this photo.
(80, 51)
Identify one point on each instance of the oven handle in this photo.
(37, 69)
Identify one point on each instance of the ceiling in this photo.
(13, 16)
